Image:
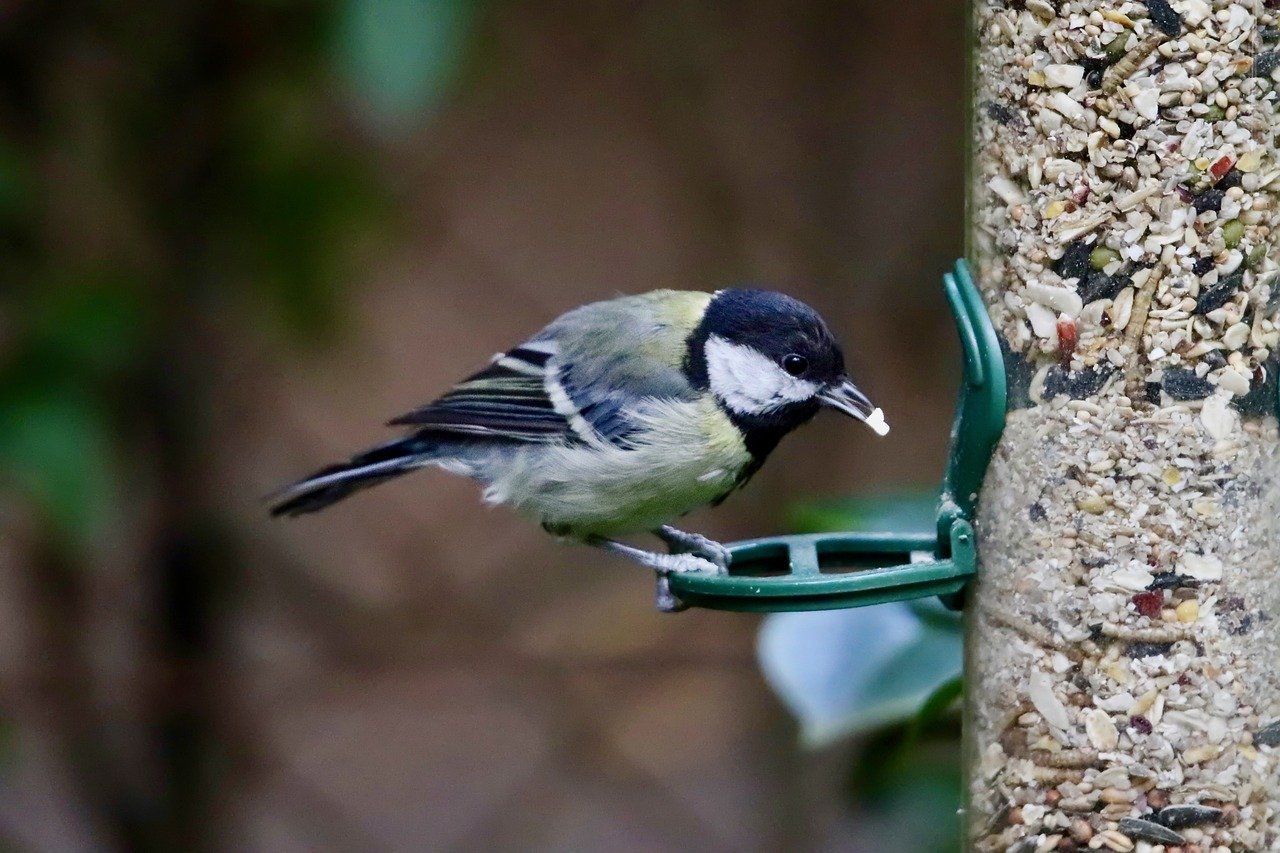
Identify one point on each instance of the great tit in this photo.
(620, 416)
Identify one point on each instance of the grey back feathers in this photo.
(578, 381)
(610, 355)
(575, 381)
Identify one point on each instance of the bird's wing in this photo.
(579, 379)
(507, 400)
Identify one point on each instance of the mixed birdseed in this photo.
(1125, 208)
(1127, 615)
(1127, 185)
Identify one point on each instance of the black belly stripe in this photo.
(761, 434)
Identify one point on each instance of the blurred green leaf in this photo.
(299, 203)
(848, 671)
(402, 57)
(843, 672)
(96, 325)
(910, 791)
(938, 702)
(15, 179)
(899, 512)
(55, 447)
(941, 701)
(932, 612)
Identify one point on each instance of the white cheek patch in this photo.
(749, 381)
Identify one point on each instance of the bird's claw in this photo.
(716, 553)
(680, 542)
(685, 563)
(664, 599)
(680, 560)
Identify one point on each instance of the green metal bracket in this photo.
(828, 571)
(876, 568)
(979, 419)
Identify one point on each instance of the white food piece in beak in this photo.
(876, 421)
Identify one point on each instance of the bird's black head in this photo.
(771, 363)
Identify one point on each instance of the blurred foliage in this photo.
(8, 746)
(298, 200)
(845, 672)
(69, 342)
(55, 447)
(888, 675)
(236, 178)
(402, 57)
(909, 784)
(900, 511)
(170, 172)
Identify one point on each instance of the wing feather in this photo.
(499, 402)
(579, 379)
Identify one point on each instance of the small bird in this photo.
(621, 416)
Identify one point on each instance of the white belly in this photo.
(693, 459)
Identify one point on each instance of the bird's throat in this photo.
(762, 432)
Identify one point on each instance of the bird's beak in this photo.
(846, 397)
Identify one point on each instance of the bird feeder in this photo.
(828, 571)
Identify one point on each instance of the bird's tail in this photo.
(368, 468)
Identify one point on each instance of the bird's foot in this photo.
(664, 565)
(661, 563)
(664, 599)
(682, 542)
(681, 563)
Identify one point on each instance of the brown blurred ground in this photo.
(411, 671)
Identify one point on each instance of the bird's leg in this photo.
(662, 564)
(682, 542)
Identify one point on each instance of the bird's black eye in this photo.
(795, 364)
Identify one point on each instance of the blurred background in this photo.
(235, 237)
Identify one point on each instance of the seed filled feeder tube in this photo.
(1123, 638)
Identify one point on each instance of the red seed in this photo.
(1149, 603)
(1141, 724)
(1184, 680)
(1185, 193)
(1221, 167)
(1068, 338)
